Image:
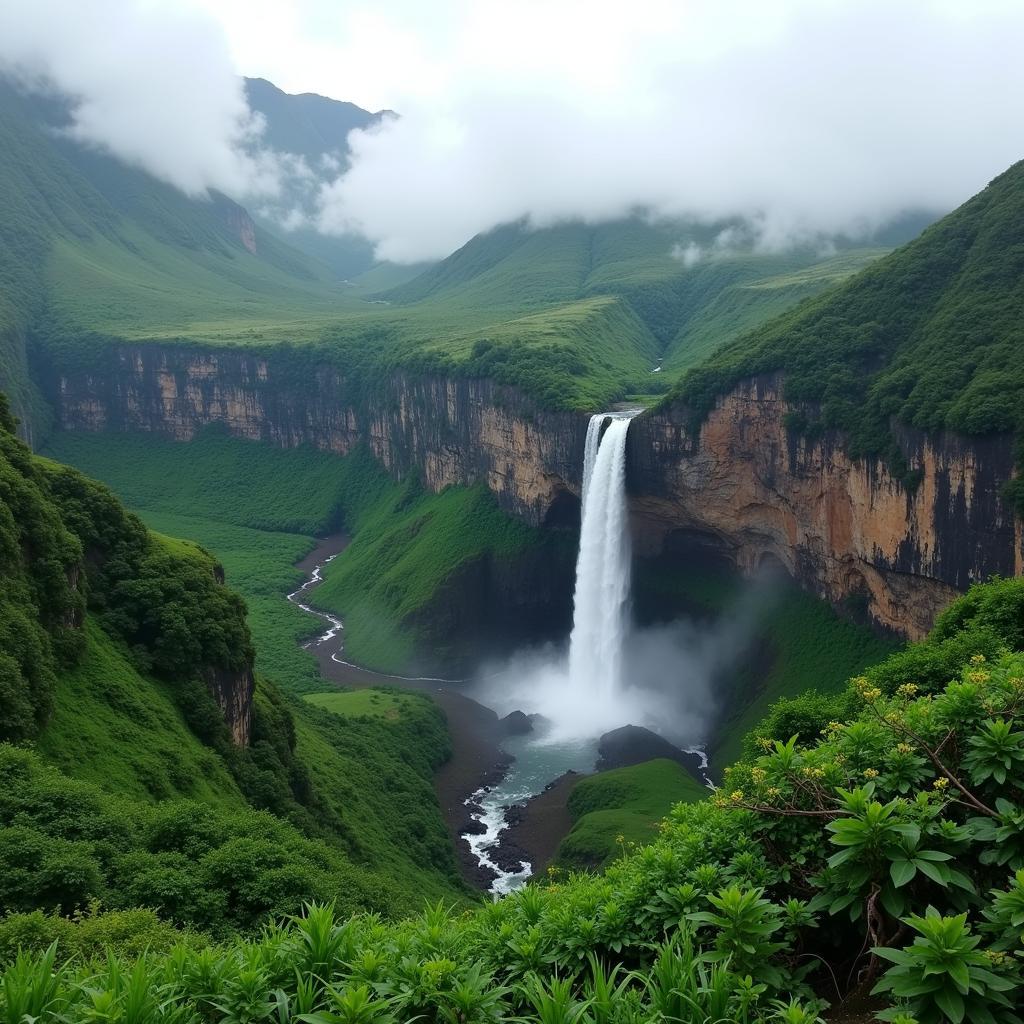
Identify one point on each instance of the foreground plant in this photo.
(943, 976)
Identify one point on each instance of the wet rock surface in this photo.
(517, 723)
(633, 744)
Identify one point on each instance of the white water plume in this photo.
(602, 566)
(672, 678)
(663, 677)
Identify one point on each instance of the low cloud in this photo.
(151, 84)
(804, 119)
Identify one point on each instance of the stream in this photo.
(534, 765)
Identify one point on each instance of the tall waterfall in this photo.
(602, 566)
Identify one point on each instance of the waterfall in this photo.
(602, 566)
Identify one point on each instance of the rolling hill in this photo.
(578, 315)
(929, 336)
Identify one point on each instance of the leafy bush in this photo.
(66, 844)
(887, 851)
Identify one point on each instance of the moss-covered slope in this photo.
(129, 664)
(930, 335)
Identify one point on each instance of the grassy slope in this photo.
(406, 544)
(930, 335)
(240, 500)
(389, 704)
(664, 311)
(124, 732)
(618, 808)
(258, 508)
(806, 645)
(115, 249)
(753, 294)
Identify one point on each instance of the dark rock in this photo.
(514, 814)
(478, 875)
(516, 724)
(632, 744)
(469, 825)
(507, 855)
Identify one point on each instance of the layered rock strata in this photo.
(849, 530)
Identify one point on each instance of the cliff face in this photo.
(847, 530)
(449, 431)
(236, 220)
(233, 692)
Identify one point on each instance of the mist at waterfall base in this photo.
(661, 677)
(673, 675)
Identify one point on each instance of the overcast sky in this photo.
(807, 116)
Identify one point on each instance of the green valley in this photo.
(118, 705)
(665, 509)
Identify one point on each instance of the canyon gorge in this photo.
(743, 484)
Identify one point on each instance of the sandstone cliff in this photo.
(847, 530)
(449, 431)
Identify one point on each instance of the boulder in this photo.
(633, 744)
(516, 724)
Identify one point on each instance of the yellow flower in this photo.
(904, 748)
(870, 773)
(978, 677)
(977, 659)
(757, 774)
(736, 796)
(620, 839)
(941, 783)
(907, 690)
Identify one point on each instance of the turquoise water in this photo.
(536, 764)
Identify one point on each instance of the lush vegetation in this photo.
(64, 843)
(620, 809)
(930, 335)
(407, 546)
(109, 635)
(257, 507)
(39, 605)
(881, 853)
